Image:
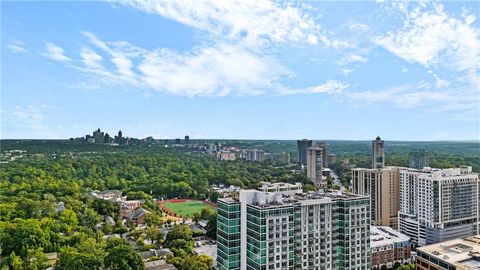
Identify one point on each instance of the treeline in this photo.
(45, 204)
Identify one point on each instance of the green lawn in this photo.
(186, 209)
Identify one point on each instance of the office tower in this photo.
(315, 164)
(177, 141)
(106, 138)
(331, 160)
(98, 136)
(280, 227)
(389, 247)
(187, 139)
(255, 155)
(119, 138)
(459, 254)
(419, 159)
(323, 146)
(378, 153)
(383, 187)
(438, 205)
(302, 146)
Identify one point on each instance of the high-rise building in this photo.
(331, 160)
(178, 141)
(280, 227)
(378, 153)
(187, 139)
(383, 188)
(315, 164)
(419, 159)
(119, 138)
(255, 155)
(98, 136)
(302, 146)
(106, 138)
(438, 205)
(323, 146)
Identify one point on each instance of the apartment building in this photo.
(438, 205)
(280, 227)
(383, 187)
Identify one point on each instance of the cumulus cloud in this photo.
(55, 52)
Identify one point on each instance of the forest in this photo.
(33, 184)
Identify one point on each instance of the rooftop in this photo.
(384, 236)
(458, 252)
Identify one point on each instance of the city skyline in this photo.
(217, 70)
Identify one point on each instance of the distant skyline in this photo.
(241, 70)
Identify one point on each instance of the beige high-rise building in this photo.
(383, 187)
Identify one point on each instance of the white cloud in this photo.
(447, 46)
(211, 71)
(248, 20)
(421, 94)
(216, 70)
(28, 120)
(17, 46)
(357, 26)
(55, 52)
(346, 71)
(351, 59)
(431, 36)
(90, 58)
(329, 87)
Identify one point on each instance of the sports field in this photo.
(186, 208)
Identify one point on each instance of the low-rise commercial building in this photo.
(390, 248)
(457, 254)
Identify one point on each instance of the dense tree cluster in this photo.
(45, 204)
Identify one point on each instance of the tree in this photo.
(212, 226)
(14, 262)
(123, 257)
(214, 197)
(206, 213)
(308, 187)
(152, 233)
(107, 228)
(180, 240)
(71, 259)
(35, 259)
(196, 217)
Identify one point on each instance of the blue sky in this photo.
(241, 69)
